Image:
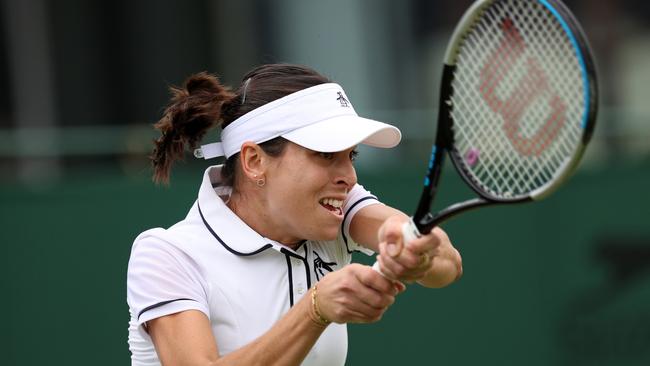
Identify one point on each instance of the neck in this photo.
(254, 213)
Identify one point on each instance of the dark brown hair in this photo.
(203, 103)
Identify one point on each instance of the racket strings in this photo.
(518, 100)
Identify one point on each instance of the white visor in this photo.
(320, 118)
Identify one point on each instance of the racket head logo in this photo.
(532, 86)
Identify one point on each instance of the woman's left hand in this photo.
(429, 259)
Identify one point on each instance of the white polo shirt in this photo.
(243, 282)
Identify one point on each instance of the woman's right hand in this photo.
(356, 294)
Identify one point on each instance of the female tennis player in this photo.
(259, 270)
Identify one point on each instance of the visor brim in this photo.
(341, 133)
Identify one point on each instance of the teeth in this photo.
(332, 202)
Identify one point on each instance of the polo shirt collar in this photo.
(227, 228)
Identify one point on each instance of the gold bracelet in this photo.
(320, 319)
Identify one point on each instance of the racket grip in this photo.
(409, 233)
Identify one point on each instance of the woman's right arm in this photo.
(186, 338)
(353, 294)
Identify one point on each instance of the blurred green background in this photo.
(562, 282)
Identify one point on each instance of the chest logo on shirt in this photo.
(320, 265)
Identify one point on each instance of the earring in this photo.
(260, 181)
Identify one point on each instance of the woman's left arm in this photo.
(430, 260)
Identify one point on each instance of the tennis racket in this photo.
(518, 105)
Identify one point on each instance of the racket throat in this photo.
(429, 221)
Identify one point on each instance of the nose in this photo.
(346, 175)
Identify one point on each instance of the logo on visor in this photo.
(344, 102)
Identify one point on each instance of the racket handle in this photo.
(409, 233)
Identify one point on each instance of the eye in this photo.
(326, 155)
(353, 155)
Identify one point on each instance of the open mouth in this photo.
(333, 205)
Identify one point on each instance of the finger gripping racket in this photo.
(518, 105)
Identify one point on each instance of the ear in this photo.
(253, 160)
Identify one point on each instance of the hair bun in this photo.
(204, 82)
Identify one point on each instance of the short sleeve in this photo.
(162, 280)
(357, 198)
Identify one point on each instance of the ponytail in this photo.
(192, 111)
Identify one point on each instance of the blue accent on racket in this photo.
(432, 160)
(576, 47)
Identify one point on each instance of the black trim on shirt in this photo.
(205, 222)
(345, 239)
(307, 268)
(159, 305)
(289, 254)
(290, 272)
